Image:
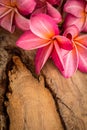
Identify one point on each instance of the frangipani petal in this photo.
(54, 13)
(26, 6)
(7, 22)
(5, 2)
(82, 39)
(82, 58)
(70, 60)
(82, 63)
(4, 11)
(29, 41)
(43, 26)
(22, 22)
(84, 29)
(41, 57)
(57, 57)
(75, 7)
(40, 3)
(39, 11)
(71, 32)
(54, 2)
(64, 42)
(71, 20)
(86, 7)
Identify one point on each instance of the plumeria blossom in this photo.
(77, 57)
(44, 35)
(77, 14)
(13, 11)
(46, 7)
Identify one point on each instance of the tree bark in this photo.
(46, 102)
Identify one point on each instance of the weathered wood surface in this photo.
(31, 106)
(69, 95)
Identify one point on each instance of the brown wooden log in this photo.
(31, 106)
(69, 95)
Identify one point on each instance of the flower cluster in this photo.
(56, 28)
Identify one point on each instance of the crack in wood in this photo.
(56, 102)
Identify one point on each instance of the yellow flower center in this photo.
(13, 4)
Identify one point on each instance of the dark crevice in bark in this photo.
(4, 119)
(3, 88)
(9, 67)
(7, 90)
(56, 103)
(64, 105)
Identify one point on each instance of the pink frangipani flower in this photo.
(44, 34)
(47, 8)
(13, 11)
(77, 14)
(77, 57)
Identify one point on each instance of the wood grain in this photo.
(31, 106)
(71, 96)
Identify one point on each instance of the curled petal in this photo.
(64, 42)
(82, 39)
(86, 7)
(70, 60)
(71, 20)
(29, 41)
(54, 13)
(40, 3)
(7, 22)
(82, 58)
(57, 57)
(43, 26)
(84, 29)
(75, 7)
(38, 11)
(22, 22)
(71, 32)
(41, 57)
(54, 2)
(26, 6)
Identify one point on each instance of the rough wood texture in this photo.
(70, 95)
(31, 106)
